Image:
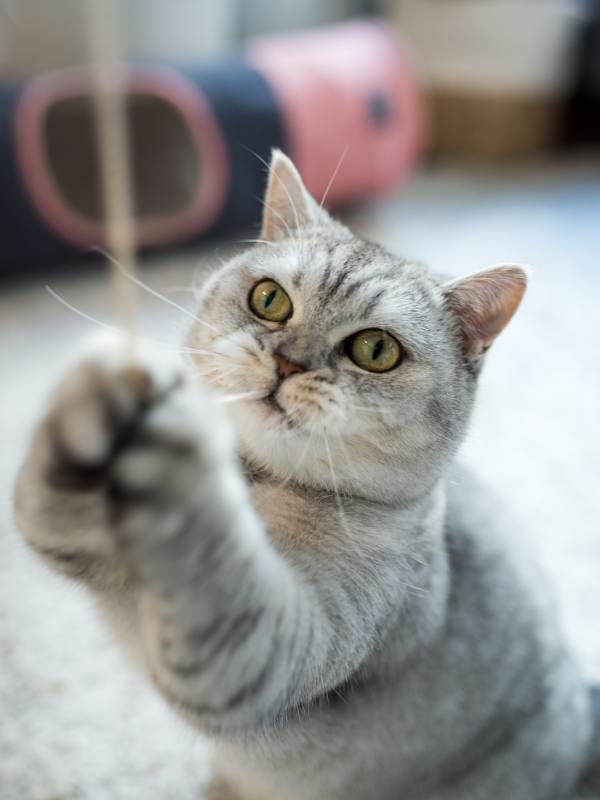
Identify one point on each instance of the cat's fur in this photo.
(344, 622)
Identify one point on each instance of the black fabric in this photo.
(582, 113)
(250, 123)
(24, 238)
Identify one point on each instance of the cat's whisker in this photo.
(279, 216)
(300, 461)
(257, 241)
(154, 292)
(346, 455)
(334, 176)
(107, 326)
(199, 351)
(214, 376)
(236, 398)
(338, 500)
(78, 311)
(271, 171)
(361, 547)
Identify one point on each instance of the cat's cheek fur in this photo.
(235, 362)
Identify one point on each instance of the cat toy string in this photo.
(109, 82)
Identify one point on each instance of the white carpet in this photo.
(75, 723)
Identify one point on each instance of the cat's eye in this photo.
(374, 350)
(269, 301)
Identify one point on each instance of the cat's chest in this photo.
(293, 517)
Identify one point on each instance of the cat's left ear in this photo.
(288, 205)
(483, 305)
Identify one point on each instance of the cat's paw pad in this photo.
(166, 455)
(99, 406)
(165, 484)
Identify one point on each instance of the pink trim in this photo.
(323, 81)
(164, 83)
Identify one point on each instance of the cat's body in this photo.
(445, 709)
(344, 622)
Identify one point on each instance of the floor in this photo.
(74, 721)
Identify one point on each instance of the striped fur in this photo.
(290, 567)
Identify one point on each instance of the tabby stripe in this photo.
(302, 660)
(324, 280)
(255, 687)
(371, 304)
(351, 289)
(78, 563)
(335, 286)
(293, 645)
(235, 634)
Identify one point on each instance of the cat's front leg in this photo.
(133, 479)
(235, 635)
(131, 482)
(61, 500)
(223, 617)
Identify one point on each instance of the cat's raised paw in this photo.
(98, 409)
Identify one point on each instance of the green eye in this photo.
(268, 301)
(374, 350)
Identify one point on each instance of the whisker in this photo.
(346, 454)
(115, 329)
(365, 551)
(300, 461)
(214, 373)
(219, 375)
(199, 351)
(235, 398)
(264, 204)
(257, 241)
(282, 183)
(153, 292)
(335, 485)
(78, 311)
(333, 177)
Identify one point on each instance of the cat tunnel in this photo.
(340, 101)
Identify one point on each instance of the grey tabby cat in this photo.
(297, 575)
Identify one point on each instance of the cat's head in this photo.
(354, 369)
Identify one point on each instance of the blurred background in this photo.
(462, 133)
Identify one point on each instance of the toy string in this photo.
(110, 83)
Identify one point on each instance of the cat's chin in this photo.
(267, 413)
(276, 412)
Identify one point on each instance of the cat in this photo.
(278, 534)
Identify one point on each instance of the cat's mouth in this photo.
(275, 408)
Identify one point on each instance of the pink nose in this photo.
(285, 368)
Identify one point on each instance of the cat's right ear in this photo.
(483, 305)
(287, 204)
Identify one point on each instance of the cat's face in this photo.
(350, 365)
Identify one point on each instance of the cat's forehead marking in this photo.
(370, 304)
(297, 279)
(349, 265)
(341, 281)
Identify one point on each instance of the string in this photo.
(110, 83)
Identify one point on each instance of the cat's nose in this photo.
(285, 367)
